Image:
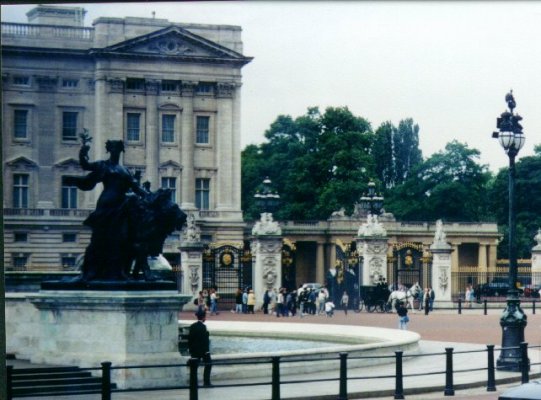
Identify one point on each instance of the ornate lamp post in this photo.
(513, 320)
(371, 203)
(266, 198)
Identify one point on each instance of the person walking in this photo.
(213, 302)
(432, 298)
(251, 302)
(426, 300)
(238, 301)
(199, 344)
(344, 302)
(403, 318)
(266, 301)
(322, 299)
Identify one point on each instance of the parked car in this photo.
(497, 288)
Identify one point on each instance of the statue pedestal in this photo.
(85, 328)
(191, 255)
(441, 276)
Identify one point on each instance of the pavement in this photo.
(471, 330)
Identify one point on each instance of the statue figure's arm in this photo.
(84, 160)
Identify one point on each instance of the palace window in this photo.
(205, 88)
(133, 123)
(69, 195)
(20, 262)
(21, 80)
(20, 124)
(202, 129)
(202, 193)
(171, 184)
(168, 128)
(69, 125)
(69, 237)
(169, 86)
(135, 84)
(20, 191)
(20, 237)
(70, 83)
(68, 261)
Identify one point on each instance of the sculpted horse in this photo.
(408, 296)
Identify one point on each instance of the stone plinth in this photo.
(441, 267)
(536, 260)
(372, 245)
(85, 328)
(191, 256)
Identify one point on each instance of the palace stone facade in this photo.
(171, 91)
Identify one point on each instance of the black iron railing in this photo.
(108, 388)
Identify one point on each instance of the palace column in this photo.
(320, 263)
(187, 147)
(152, 154)
(224, 146)
(482, 258)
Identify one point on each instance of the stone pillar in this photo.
(372, 245)
(536, 260)
(191, 259)
(320, 263)
(187, 144)
(441, 267)
(267, 251)
(482, 258)
(152, 150)
(224, 144)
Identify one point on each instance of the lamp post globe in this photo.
(266, 198)
(371, 202)
(513, 320)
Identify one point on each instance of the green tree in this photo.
(383, 153)
(527, 204)
(449, 185)
(407, 154)
(317, 162)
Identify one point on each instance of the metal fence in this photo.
(107, 389)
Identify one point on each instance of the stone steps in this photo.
(54, 381)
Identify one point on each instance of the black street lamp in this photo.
(266, 198)
(513, 320)
(371, 203)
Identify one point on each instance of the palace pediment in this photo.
(22, 162)
(170, 164)
(67, 163)
(173, 42)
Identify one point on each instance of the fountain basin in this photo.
(360, 342)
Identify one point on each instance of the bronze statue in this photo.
(129, 222)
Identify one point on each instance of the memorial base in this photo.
(127, 328)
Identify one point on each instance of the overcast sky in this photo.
(447, 65)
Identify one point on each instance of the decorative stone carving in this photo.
(115, 85)
(375, 270)
(537, 238)
(194, 278)
(151, 87)
(371, 228)
(187, 88)
(443, 279)
(269, 272)
(225, 89)
(192, 233)
(340, 214)
(170, 46)
(266, 226)
(440, 242)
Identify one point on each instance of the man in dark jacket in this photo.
(199, 343)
